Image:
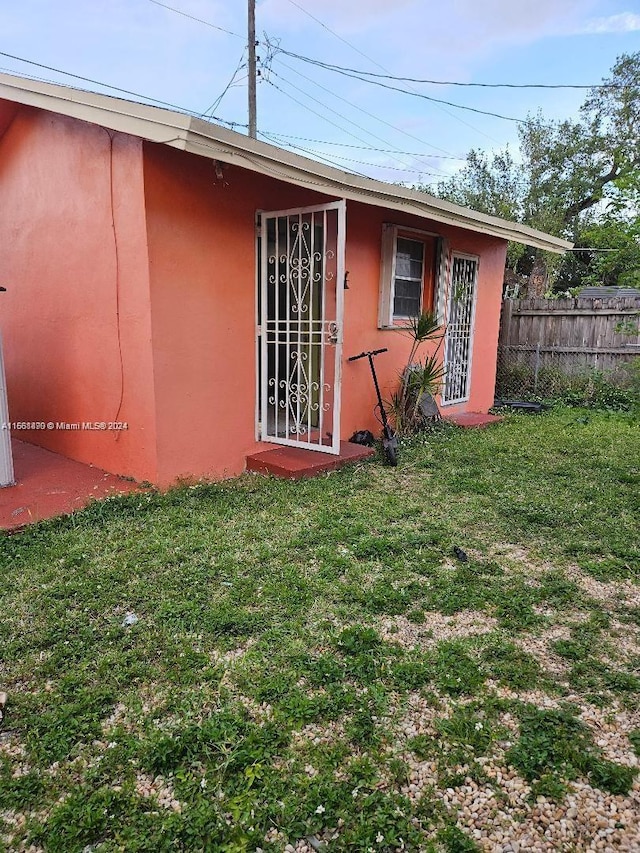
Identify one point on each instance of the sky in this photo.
(157, 53)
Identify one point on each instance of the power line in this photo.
(333, 67)
(364, 147)
(231, 124)
(328, 161)
(193, 18)
(218, 100)
(355, 106)
(319, 115)
(334, 33)
(382, 67)
(411, 92)
(351, 159)
(273, 50)
(326, 107)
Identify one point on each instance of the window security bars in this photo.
(459, 334)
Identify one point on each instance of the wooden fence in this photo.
(541, 338)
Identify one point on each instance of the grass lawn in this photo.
(312, 667)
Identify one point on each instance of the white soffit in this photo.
(205, 139)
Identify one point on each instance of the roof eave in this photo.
(186, 132)
(334, 182)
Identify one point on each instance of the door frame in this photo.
(261, 337)
(450, 296)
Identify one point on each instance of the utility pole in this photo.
(252, 68)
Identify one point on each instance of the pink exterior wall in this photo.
(157, 328)
(202, 259)
(202, 252)
(67, 351)
(364, 230)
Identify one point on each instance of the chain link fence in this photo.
(539, 372)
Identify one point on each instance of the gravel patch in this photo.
(158, 787)
(499, 814)
(538, 645)
(611, 594)
(434, 628)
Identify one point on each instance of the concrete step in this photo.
(294, 463)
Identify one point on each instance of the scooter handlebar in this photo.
(365, 354)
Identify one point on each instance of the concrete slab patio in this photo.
(48, 484)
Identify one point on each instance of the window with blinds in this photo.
(407, 275)
(409, 278)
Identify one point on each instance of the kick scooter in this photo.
(389, 440)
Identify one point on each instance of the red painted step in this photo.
(294, 463)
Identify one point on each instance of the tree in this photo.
(576, 179)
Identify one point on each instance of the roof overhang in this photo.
(187, 133)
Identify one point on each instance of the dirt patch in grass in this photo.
(434, 627)
(313, 664)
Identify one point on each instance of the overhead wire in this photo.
(314, 112)
(327, 107)
(322, 157)
(397, 78)
(218, 100)
(199, 20)
(412, 92)
(383, 68)
(364, 147)
(349, 159)
(142, 98)
(317, 155)
(360, 109)
(335, 34)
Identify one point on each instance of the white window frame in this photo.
(390, 234)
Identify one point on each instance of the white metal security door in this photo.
(459, 334)
(301, 307)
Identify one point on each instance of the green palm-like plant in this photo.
(424, 327)
(418, 378)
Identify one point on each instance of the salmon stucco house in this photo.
(180, 296)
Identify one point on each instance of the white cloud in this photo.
(625, 22)
(344, 17)
(426, 37)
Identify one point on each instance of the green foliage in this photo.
(228, 741)
(507, 663)
(466, 727)
(614, 237)
(419, 378)
(88, 818)
(457, 674)
(634, 739)
(556, 745)
(70, 718)
(263, 682)
(358, 639)
(454, 840)
(594, 389)
(20, 792)
(574, 179)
